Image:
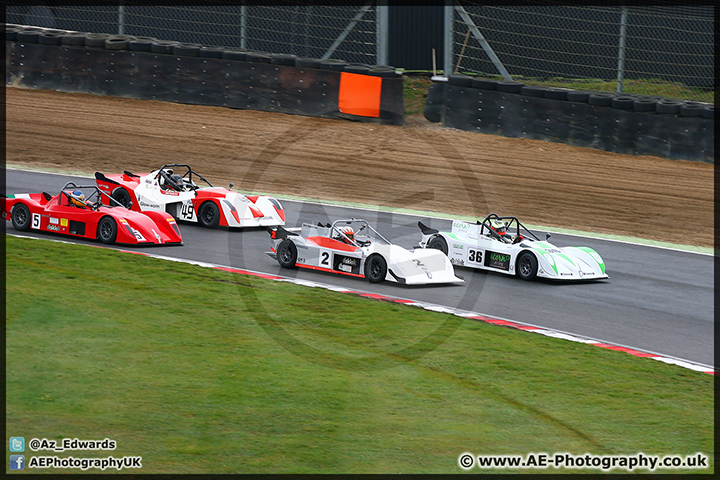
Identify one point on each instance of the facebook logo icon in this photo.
(17, 462)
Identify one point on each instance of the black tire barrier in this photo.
(211, 52)
(163, 47)
(46, 38)
(140, 45)
(533, 91)
(709, 111)
(509, 87)
(623, 102)
(240, 55)
(118, 42)
(11, 33)
(434, 102)
(73, 38)
(692, 110)
(385, 72)
(483, 84)
(578, 96)
(187, 49)
(303, 62)
(669, 107)
(556, 93)
(357, 69)
(601, 99)
(459, 80)
(332, 64)
(257, 57)
(283, 59)
(646, 105)
(433, 113)
(96, 40)
(28, 36)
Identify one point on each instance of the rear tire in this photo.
(107, 230)
(439, 243)
(375, 269)
(123, 197)
(208, 214)
(527, 266)
(287, 254)
(21, 217)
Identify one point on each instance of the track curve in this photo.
(656, 300)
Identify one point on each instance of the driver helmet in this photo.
(498, 227)
(77, 198)
(178, 180)
(348, 231)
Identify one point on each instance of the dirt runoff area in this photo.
(420, 166)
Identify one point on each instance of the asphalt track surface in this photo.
(656, 300)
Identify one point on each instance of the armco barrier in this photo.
(612, 128)
(203, 80)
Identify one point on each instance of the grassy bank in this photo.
(203, 371)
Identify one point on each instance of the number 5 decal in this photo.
(35, 220)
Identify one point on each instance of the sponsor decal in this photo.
(170, 192)
(301, 260)
(460, 225)
(149, 205)
(346, 264)
(458, 246)
(53, 227)
(54, 221)
(63, 222)
(457, 261)
(423, 267)
(497, 260)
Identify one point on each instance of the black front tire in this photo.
(287, 254)
(123, 197)
(209, 215)
(375, 268)
(439, 243)
(21, 217)
(107, 230)
(527, 266)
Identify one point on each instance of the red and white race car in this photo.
(172, 189)
(77, 211)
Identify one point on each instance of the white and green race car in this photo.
(504, 245)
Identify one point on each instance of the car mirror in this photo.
(547, 236)
(232, 184)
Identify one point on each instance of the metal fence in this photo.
(664, 50)
(343, 31)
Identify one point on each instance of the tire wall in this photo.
(198, 80)
(577, 123)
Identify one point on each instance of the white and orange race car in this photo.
(172, 189)
(353, 247)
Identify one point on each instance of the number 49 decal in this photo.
(186, 211)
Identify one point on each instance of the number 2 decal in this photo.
(475, 256)
(325, 259)
(35, 220)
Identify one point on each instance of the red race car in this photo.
(78, 211)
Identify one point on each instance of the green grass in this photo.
(204, 371)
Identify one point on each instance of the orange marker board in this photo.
(359, 94)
